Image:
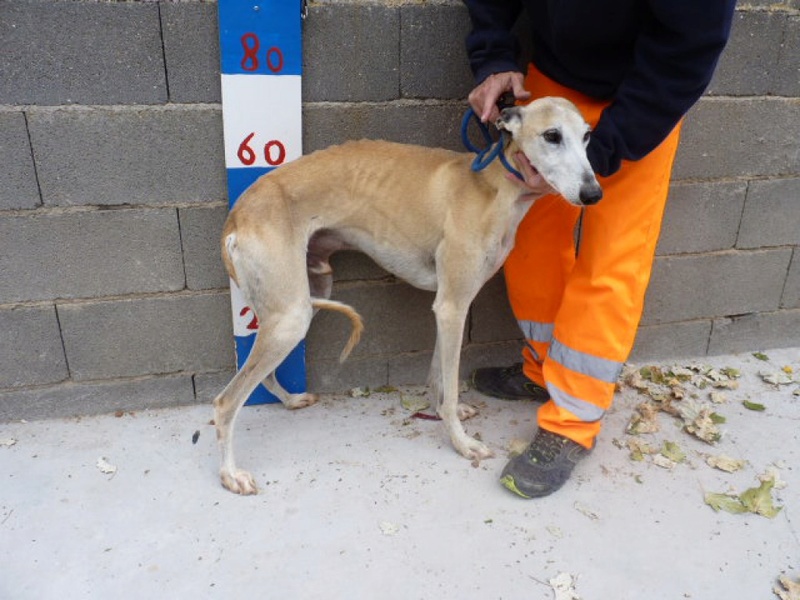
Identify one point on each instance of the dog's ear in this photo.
(510, 119)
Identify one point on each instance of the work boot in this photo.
(544, 466)
(508, 383)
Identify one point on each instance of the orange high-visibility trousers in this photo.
(579, 307)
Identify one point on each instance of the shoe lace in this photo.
(546, 446)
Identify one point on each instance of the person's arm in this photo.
(675, 57)
(491, 45)
(492, 49)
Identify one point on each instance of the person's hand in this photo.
(484, 97)
(532, 182)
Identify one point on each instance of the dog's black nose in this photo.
(590, 194)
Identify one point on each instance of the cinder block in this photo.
(424, 123)
(791, 291)
(748, 65)
(413, 368)
(18, 187)
(770, 4)
(30, 347)
(491, 318)
(733, 137)
(433, 56)
(208, 385)
(780, 329)
(787, 71)
(79, 399)
(201, 228)
(326, 376)
(87, 254)
(397, 318)
(771, 214)
(147, 336)
(410, 368)
(55, 53)
(191, 49)
(673, 340)
(498, 354)
(701, 217)
(350, 53)
(711, 285)
(355, 266)
(112, 156)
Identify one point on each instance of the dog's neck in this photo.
(508, 184)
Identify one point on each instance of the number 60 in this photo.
(274, 152)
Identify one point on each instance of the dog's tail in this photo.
(355, 319)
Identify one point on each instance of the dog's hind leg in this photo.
(288, 399)
(279, 333)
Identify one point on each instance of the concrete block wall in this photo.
(112, 196)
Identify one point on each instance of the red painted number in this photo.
(250, 47)
(245, 152)
(253, 324)
(274, 152)
(274, 59)
(279, 154)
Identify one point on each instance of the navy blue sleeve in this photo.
(675, 57)
(491, 46)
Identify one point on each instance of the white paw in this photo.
(296, 401)
(465, 411)
(472, 449)
(239, 482)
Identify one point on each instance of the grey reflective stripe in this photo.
(585, 411)
(580, 362)
(538, 332)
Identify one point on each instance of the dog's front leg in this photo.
(465, 411)
(450, 319)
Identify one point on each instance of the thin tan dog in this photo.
(420, 213)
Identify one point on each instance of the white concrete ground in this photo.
(359, 501)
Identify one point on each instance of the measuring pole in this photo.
(261, 64)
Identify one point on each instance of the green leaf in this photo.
(761, 356)
(414, 404)
(652, 373)
(754, 406)
(672, 451)
(759, 500)
(385, 389)
(726, 502)
(717, 418)
(731, 373)
(756, 500)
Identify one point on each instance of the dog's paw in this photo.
(465, 411)
(295, 401)
(472, 449)
(239, 482)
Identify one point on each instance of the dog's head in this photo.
(553, 136)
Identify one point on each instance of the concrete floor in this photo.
(359, 501)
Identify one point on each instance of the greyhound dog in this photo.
(420, 213)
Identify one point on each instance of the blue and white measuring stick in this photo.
(261, 64)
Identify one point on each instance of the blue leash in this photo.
(492, 149)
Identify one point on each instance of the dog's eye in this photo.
(586, 137)
(552, 136)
